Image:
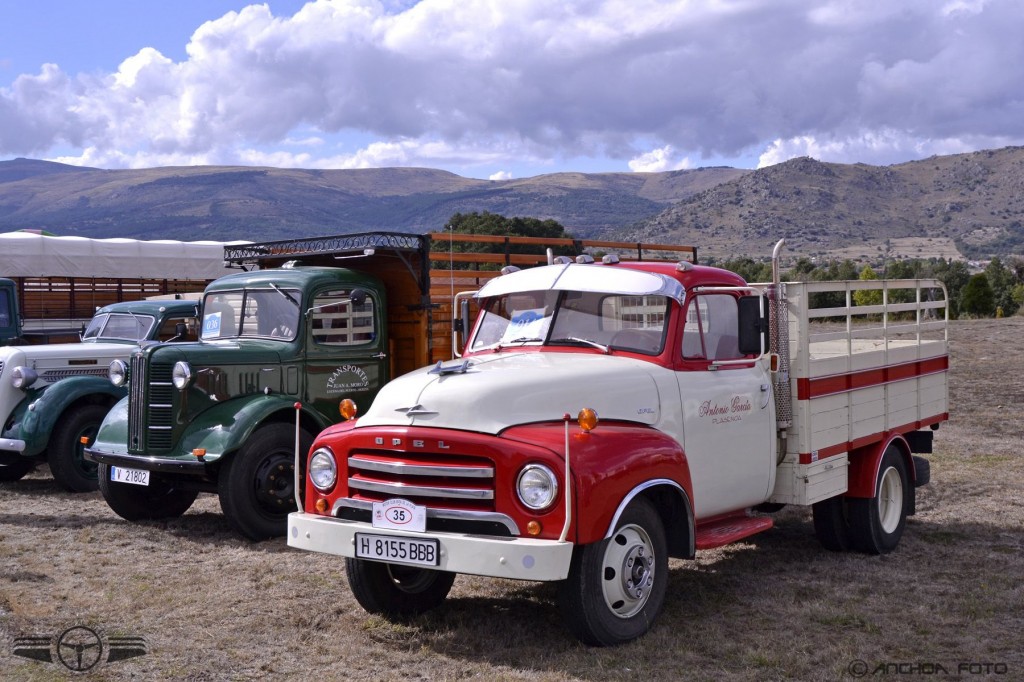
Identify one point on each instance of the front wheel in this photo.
(397, 591)
(66, 451)
(158, 500)
(877, 523)
(616, 587)
(257, 486)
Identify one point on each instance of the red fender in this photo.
(608, 464)
(864, 463)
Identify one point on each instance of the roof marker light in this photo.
(584, 259)
(610, 259)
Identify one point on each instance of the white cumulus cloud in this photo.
(649, 84)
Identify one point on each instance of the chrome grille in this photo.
(151, 406)
(424, 478)
(137, 404)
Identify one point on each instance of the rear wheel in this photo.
(616, 587)
(876, 524)
(831, 524)
(66, 452)
(397, 591)
(257, 485)
(16, 471)
(158, 500)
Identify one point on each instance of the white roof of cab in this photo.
(592, 278)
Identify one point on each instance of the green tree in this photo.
(954, 275)
(867, 297)
(977, 299)
(493, 224)
(1002, 280)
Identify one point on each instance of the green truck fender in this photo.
(222, 429)
(45, 409)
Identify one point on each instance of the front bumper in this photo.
(165, 465)
(12, 445)
(516, 558)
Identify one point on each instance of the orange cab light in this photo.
(587, 419)
(199, 453)
(348, 408)
(533, 528)
(321, 506)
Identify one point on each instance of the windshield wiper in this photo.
(284, 293)
(575, 339)
(521, 339)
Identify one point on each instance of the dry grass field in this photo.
(947, 604)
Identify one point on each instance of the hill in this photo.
(223, 203)
(970, 204)
(964, 205)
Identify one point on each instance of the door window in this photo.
(337, 320)
(709, 332)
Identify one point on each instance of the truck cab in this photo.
(276, 351)
(52, 396)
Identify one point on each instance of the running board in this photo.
(728, 529)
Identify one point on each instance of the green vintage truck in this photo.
(53, 395)
(323, 319)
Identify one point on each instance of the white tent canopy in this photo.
(25, 254)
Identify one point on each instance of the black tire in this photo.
(831, 524)
(257, 485)
(65, 452)
(397, 591)
(17, 471)
(158, 500)
(877, 523)
(616, 587)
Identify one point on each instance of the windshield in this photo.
(270, 313)
(118, 327)
(595, 319)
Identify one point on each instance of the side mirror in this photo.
(752, 334)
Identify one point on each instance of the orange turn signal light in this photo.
(533, 528)
(321, 506)
(199, 453)
(587, 419)
(84, 440)
(348, 408)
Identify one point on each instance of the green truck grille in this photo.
(150, 407)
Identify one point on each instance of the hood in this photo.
(91, 358)
(502, 390)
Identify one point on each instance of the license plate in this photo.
(398, 550)
(133, 476)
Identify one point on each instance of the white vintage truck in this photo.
(53, 396)
(605, 417)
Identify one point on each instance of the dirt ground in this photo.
(947, 604)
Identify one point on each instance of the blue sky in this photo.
(507, 88)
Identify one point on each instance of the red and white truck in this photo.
(605, 417)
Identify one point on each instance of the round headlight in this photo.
(118, 373)
(537, 486)
(181, 374)
(323, 472)
(23, 377)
